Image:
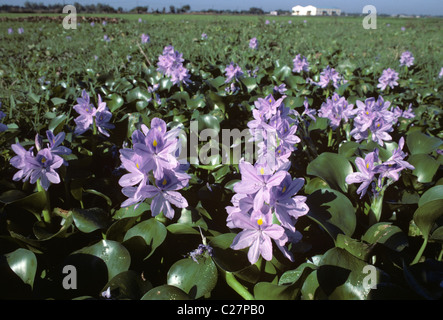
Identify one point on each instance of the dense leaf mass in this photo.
(126, 171)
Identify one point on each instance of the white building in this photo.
(304, 11)
(313, 11)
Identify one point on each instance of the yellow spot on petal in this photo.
(138, 167)
(43, 160)
(367, 166)
(262, 171)
(164, 182)
(270, 100)
(260, 221)
(284, 189)
(154, 143)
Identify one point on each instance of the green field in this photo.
(194, 248)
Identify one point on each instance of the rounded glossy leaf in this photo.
(387, 234)
(342, 276)
(114, 255)
(195, 278)
(151, 230)
(89, 220)
(426, 216)
(166, 292)
(418, 143)
(425, 167)
(333, 168)
(431, 194)
(271, 291)
(333, 211)
(128, 285)
(132, 211)
(24, 263)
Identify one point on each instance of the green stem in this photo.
(47, 210)
(420, 252)
(376, 208)
(237, 286)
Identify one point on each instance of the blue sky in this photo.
(413, 7)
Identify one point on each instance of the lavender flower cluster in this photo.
(41, 165)
(92, 117)
(170, 63)
(154, 171)
(265, 205)
(374, 120)
(373, 172)
(3, 127)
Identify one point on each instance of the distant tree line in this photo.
(33, 7)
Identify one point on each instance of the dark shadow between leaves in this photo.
(330, 277)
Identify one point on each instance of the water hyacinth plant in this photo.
(185, 164)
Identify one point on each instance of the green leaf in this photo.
(342, 276)
(333, 211)
(420, 143)
(425, 167)
(24, 264)
(132, 211)
(195, 278)
(271, 291)
(151, 230)
(115, 256)
(128, 285)
(166, 292)
(426, 215)
(332, 168)
(431, 194)
(387, 234)
(57, 123)
(114, 101)
(56, 101)
(89, 220)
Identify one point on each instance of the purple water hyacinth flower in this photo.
(164, 194)
(3, 127)
(43, 167)
(367, 168)
(257, 180)
(10, 31)
(22, 162)
(406, 59)
(257, 234)
(408, 113)
(102, 118)
(180, 75)
(336, 109)
(158, 148)
(86, 110)
(145, 38)
(287, 206)
(268, 106)
(396, 163)
(327, 76)
(90, 115)
(233, 72)
(267, 22)
(21, 30)
(440, 75)
(280, 89)
(389, 78)
(170, 63)
(204, 36)
(300, 64)
(309, 112)
(253, 43)
(373, 120)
